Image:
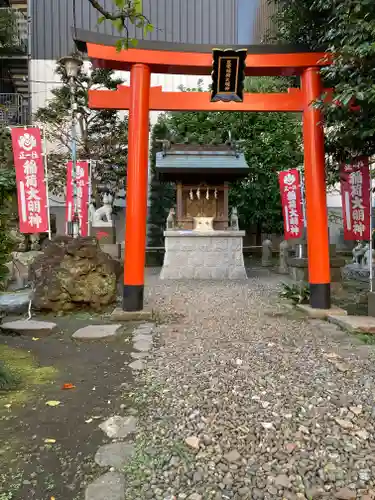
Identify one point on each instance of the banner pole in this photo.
(47, 185)
(89, 199)
(371, 222)
(303, 202)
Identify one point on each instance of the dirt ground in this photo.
(47, 452)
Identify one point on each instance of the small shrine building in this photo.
(202, 174)
(201, 240)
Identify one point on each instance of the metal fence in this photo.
(13, 109)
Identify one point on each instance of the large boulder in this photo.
(73, 274)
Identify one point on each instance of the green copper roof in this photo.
(195, 161)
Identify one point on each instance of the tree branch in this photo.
(131, 11)
(126, 13)
(103, 12)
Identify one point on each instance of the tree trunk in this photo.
(258, 235)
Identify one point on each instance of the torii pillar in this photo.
(315, 187)
(137, 187)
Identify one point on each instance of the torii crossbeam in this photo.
(197, 101)
(140, 98)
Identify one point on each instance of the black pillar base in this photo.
(132, 298)
(320, 296)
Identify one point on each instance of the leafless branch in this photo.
(123, 14)
(103, 12)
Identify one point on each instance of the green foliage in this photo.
(9, 36)
(7, 193)
(271, 142)
(366, 338)
(297, 293)
(162, 195)
(102, 135)
(347, 29)
(6, 246)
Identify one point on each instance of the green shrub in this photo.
(297, 293)
(7, 194)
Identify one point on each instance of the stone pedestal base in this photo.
(106, 235)
(215, 255)
(357, 272)
(114, 250)
(371, 304)
(298, 269)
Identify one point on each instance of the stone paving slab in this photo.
(141, 337)
(96, 332)
(143, 346)
(29, 327)
(145, 328)
(353, 324)
(321, 313)
(114, 455)
(137, 365)
(15, 303)
(110, 486)
(139, 355)
(119, 427)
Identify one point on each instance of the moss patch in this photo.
(366, 338)
(24, 368)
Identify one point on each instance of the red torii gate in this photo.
(139, 99)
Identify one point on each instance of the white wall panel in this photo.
(44, 79)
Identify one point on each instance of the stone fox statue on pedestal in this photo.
(103, 215)
(234, 220)
(171, 219)
(358, 253)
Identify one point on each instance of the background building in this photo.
(14, 62)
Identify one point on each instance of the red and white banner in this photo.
(82, 184)
(291, 201)
(30, 178)
(355, 196)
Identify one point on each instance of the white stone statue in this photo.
(103, 215)
(234, 226)
(267, 253)
(367, 258)
(171, 219)
(35, 241)
(92, 211)
(283, 258)
(358, 253)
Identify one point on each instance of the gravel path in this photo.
(246, 403)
